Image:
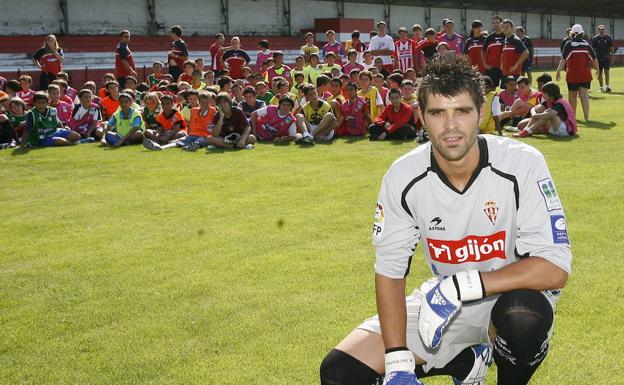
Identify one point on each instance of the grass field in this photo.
(130, 267)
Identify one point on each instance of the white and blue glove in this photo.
(444, 300)
(400, 367)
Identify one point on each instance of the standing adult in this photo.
(124, 63)
(50, 59)
(474, 45)
(236, 58)
(404, 51)
(578, 58)
(382, 45)
(216, 54)
(178, 53)
(492, 48)
(603, 45)
(454, 40)
(528, 43)
(514, 53)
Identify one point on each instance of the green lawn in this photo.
(130, 267)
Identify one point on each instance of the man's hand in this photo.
(443, 301)
(400, 367)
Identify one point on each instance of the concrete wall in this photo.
(249, 17)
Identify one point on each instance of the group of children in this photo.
(308, 103)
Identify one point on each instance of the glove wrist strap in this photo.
(469, 285)
(400, 361)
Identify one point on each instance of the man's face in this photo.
(430, 36)
(334, 88)
(309, 40)
(331, 37)
(209, 77)
(204, 103)
(299, 62)
(510, 86)
(125, 38)
(507, 29)
(220, 39)
(151, 104)
(284, 108)
(601, 31)
(364, 81)
(524, 89)
(476, 31)
(452, 123)
(167, 105)
(125, 103)
(382, 29)
(278, 60)
(519, 32)
(54, 95)
(113, 90)
(16, 109)
(157, 68)
(24, 84)
(330, 60)
(250, 99)
(199, 63)
(193, 100)
(312, 96)
(351, 92)
(131, 84)
(378, 83)
(403, 35)
(260, 89)
(395, 99)
(41, 104)
(448, 28)
(407, 91)
(368, 57)
(314, 60)
(85, 100)
(496, 25)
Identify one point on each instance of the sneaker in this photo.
(482, 362)
(194, 146)
(305, 141)
(210, 147)
(249, 146)
(522, 134)
(232, 138)
(607, 89)
(511, 128)
(151, 145)
(87, 140)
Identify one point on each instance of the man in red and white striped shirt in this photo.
(404, 51)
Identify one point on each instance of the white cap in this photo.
(577, 28)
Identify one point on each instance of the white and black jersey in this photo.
(509, 209)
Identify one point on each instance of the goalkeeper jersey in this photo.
(509, 210)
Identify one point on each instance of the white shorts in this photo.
(312, 128)
(562, 130)
(469, 327)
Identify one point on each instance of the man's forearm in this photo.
(392, 312)
(530, 273)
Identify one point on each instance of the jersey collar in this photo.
(483, 162)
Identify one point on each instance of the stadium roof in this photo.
(598, 8)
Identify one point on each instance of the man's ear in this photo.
(422, 117)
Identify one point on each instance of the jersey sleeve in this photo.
(496, 107)
(395, 233)
(542, 227)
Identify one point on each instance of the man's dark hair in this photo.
(191, 92)
(523, 80)
(396, 77)
(497, 17)
(355, 34)
(110, 83)
(223, 97)
(40, 95)
(487, 81)
(544, 78)
(394, 91)
(351, 86)
(552, 89)
(249, 90)
(307, 87)
(321, 80)
(336, 81)
(287, 99)
(450, 75)
(177, 30)
(166, 97)
(264, 44)
(223, 80)
(13, 85)
(277, 54)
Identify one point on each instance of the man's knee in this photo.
(522, 319)
(339, 368)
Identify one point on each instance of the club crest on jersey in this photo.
(491, 210)
(551, 198)
(378, 220)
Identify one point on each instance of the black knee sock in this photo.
(339, 368)
(459, 367)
